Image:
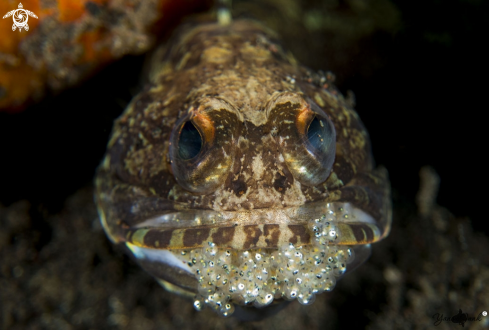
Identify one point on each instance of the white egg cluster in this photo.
(259, 276)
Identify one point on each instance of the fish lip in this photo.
(268, 229)
(297, 215)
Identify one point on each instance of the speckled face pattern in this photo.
(239, 177)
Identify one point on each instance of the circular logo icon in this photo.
(20, 17)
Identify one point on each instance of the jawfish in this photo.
(239, 177)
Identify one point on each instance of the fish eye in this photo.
(307, 137)
(321, 137)
(314, 133)
(202, 145)
(189, 142)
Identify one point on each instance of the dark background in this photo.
(423, 105)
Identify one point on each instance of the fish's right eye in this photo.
(203, 146)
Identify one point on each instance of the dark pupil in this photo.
(190, 141)
(315, 132)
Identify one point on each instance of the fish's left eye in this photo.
(321, 137)
(314, 133)
(307, 137)
(317, 132)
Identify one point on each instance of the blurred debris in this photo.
(428, 190)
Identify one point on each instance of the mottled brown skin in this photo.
(228, 78)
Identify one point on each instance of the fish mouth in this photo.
(251, 257)
(292, 253)
(258, 228)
